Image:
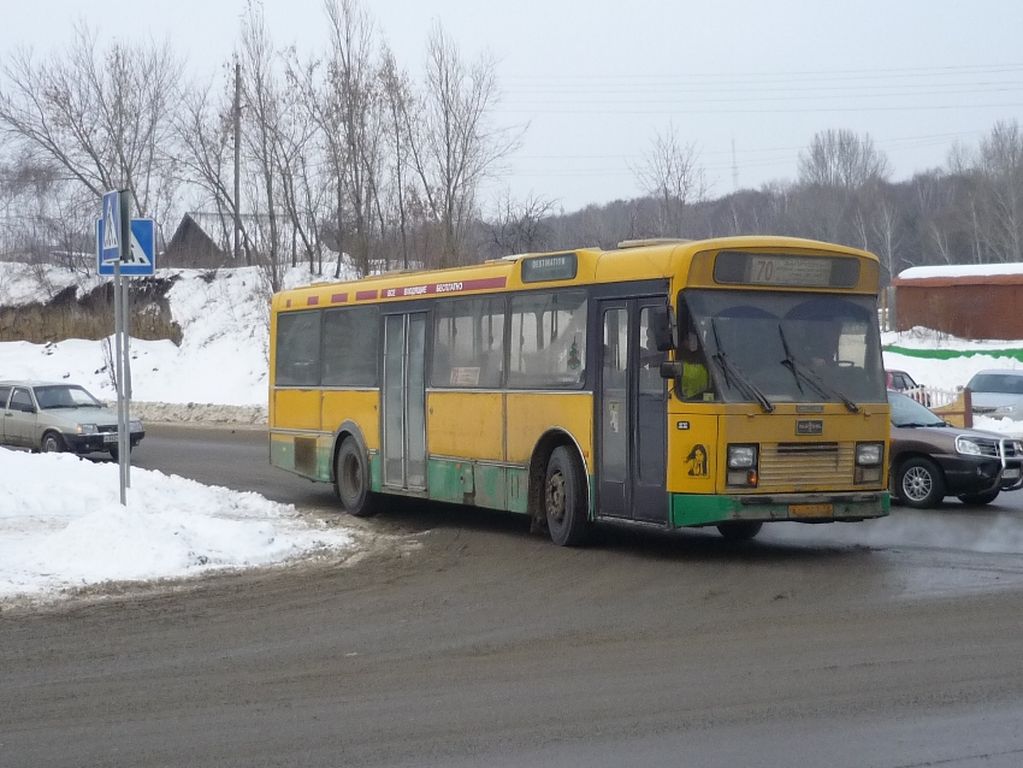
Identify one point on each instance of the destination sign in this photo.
(541, 269)
(779, 269)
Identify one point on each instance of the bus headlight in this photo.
(868, 462)
(742, 456)
(869, 454)
(742, 465)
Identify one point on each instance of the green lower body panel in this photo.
(495, 486)
(696, 509)
(308, 456)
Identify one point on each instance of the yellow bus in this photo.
(724, 382)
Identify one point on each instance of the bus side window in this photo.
(468, 344)
(298, 349)
(548, 337)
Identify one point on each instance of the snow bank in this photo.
(62, 526)
(223, 357)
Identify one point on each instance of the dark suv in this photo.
(931, 460)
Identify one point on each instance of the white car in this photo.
(47, 416)
(998, 393)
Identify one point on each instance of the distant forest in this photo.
(294, 156)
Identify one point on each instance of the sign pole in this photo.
(119, 375)
(125, 450)
(115, 234)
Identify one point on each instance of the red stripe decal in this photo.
(337, 298)
(312, 301)
(363, 295)
(455, 286)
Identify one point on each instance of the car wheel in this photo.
(351, 480)
(919, 483)
(52, 443)
(564, 499)
(979, 498)
(739, 530)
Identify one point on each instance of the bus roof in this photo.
(634, 260)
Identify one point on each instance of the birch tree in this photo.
(453, 146)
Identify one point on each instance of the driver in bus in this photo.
(695, 377)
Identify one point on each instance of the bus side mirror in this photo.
(671, 369)
(661, 328)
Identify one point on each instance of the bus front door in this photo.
(404, 397)
(631, 415)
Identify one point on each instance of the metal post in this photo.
(124, 452)
(119, 373)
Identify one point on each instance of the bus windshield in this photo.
(790, 347)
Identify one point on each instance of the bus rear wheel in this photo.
(564, 499)
(351, 480)
(740, 530)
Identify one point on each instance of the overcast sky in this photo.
(593, 82)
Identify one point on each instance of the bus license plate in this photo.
(811, 510)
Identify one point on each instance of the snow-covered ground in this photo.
(61, 526)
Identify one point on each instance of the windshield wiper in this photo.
(914, 424)
(742, 381)
(811, 377)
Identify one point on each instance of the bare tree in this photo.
(452, 146)
(204, 129)
(520, 227)
(261, 129)
(103, 117)
(1000, 164)
(670, 174)
(841, 159)
(397, 98)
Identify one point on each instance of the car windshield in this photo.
(1004, 383)
(65, 396)
(792, 347)
(907, 412)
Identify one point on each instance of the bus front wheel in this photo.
(564, 499)
(351, 480)
(740, 530)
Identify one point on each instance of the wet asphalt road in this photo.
(458, 639)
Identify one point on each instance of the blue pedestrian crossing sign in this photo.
(140, 261)
(110, 244)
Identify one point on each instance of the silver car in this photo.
(998, 393)
(46, 416)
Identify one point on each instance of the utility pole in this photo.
(237, 162)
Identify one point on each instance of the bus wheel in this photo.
(564, 499)
(351, 480)
(740, 530)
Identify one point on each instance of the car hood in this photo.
(940, 438)
(97, 415)
(996, 400)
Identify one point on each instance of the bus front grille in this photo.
(798, 466)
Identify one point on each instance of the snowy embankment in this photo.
(62, 527)
(220, 365)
